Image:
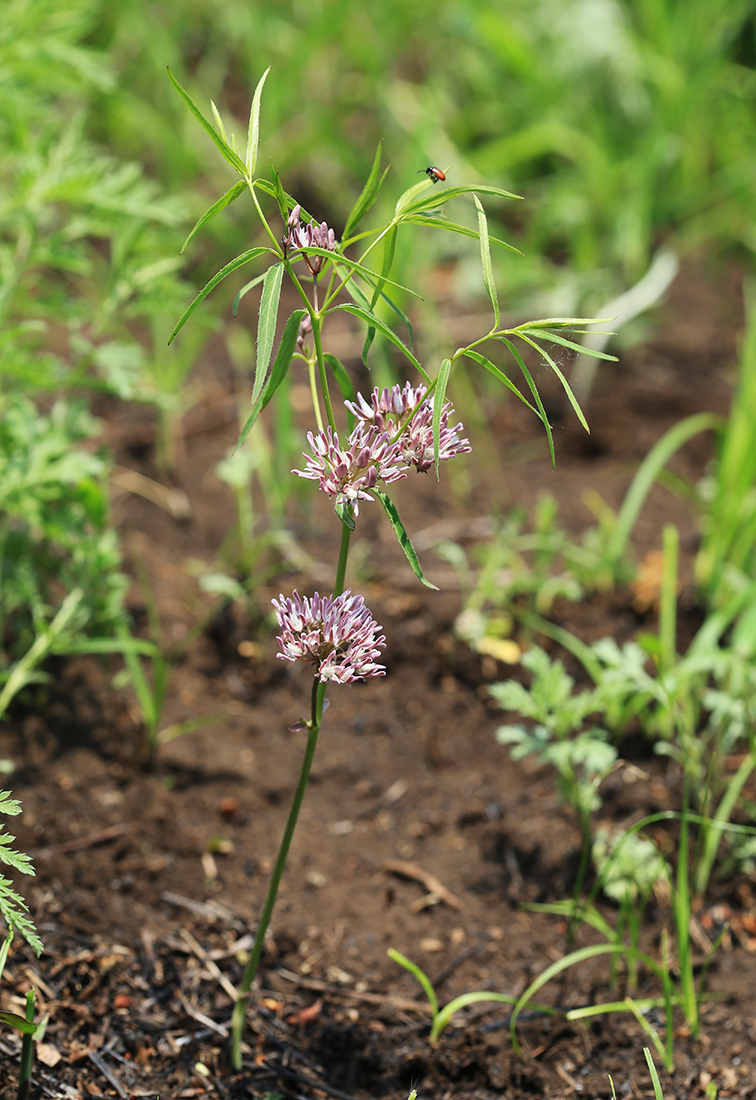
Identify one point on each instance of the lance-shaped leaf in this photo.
(278, 373)
(369, 276)
(402, 536)
(389, 247)
(221, 204)
(494, 370)
(12, 1019)
(565, 384)
(438, 221)
(436, 199)
(253, 130)
(371, 319)
(245, 290)
(223, 146)
(369, 194)
(266, 328)
(438, 407)
(234, 265)
(534, 390)
(485, 262)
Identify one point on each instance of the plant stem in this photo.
(27, 1053)
(250, 971)
(346, 534)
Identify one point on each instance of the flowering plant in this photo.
(394, 430)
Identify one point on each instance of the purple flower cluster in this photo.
(337, 634)
(391, 409)
(375, 451)
(302, 237)
(346, 473)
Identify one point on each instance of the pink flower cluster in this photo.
(390, 410)
(302, 237)
(382, 446)
(337, 634)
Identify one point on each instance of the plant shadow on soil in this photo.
(148, 882)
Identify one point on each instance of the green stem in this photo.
(317, 335)
(250, 971)
(27, 1053)
(346, 534)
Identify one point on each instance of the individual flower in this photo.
(391, 409)
(349, 473)
(302, 237)
(336, 633)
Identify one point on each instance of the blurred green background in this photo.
(625, 124)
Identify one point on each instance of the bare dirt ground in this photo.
(149, 881)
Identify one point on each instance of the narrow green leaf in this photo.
(439, 198)
(439, 397)
(402, 536)
(419, 975)
(534, 390)
(245, 290)
(219, 123)
(215, 137)
(221, 204)
(337, 257)
(565, 384)
(389, 247)
(368, 195)
(494, 370)
(12, 1019)
(441, 222)
(244, 258)
(371, 319)
(253, 130)
(266, 328)
(278, 373)
(367, 344)
(485, 260)
(286, 202)
(571, 344)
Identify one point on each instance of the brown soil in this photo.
(149, 881)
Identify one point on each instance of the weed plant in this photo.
(388, 433)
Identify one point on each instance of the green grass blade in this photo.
(658, 1095)
(223, 147)
(419, 974)
(253, 130)
(647, 473)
